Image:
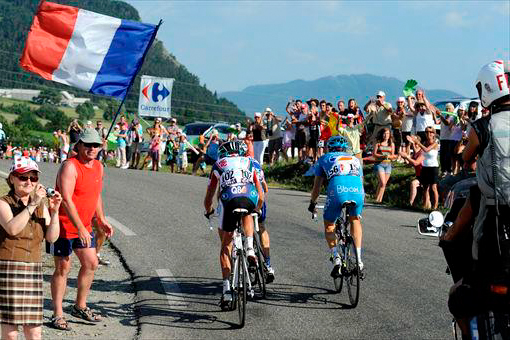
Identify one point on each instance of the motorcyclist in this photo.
(488, 144)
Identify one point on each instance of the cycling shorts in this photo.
(243, 196)
(227, 219)
(263, 213)
(338, 194)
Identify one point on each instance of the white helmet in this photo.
(492, 83)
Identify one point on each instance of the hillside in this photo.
(360, 87)
(190, 100)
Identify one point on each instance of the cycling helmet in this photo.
(337, 143)
(492, 83)
(232, 148)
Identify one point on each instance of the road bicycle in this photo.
(258, 275)
(241, 286)
(349, 269)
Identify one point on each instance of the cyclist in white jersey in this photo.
(239, 187)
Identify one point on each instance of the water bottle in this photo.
(473, 328)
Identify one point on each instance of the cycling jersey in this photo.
(344, 173)
(260, 176)
(236, 177)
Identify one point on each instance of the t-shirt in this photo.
(446, 131)
(212, 150)
(275, 129)
(456, 132)
(353, 135)
(424, 120)
(407, 123)
(183, 146)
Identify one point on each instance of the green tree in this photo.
(111, 110)
(29, 120)
(48, 96)
(57, 121)
(85, 111)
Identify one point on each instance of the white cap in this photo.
(183, 134)
(179, 130)
(380, 93)
(401, 99)
(462, 106)
(173, 120)
(268, 109)
(89, 122)
(257, 114)
(242, 135)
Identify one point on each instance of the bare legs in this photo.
(381, 187)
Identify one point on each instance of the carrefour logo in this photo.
(156, 93)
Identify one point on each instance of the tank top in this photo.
(430, 158)
(85, 196)
(386, 151)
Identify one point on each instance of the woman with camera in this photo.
(26, 220)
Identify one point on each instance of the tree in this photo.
(57, 121)
(111, 110)
(85, 111)
(48, 96)
(29, 120)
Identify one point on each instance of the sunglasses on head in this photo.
(24, 178)
(91, 145)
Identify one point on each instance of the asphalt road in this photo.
(174, 258)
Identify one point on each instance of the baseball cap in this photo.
(462, 107)
(90, 135)
(22, 165)
(268, 109)
(173, 120)
(89, 122)
(380, 93)
(400, 99)
(257, 114)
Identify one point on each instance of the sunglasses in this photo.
(91, 145)
(25, 178)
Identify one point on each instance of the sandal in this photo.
(86, 314)
(60, 323)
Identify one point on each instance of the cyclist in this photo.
(264, 234)
(239, 187)
(344, 174)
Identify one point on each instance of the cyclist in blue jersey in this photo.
(344, 175)
(239, 187)
(264, 234)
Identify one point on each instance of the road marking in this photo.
(172, 290)
(4, 174)
(125, 230)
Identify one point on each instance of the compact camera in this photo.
(50, 192)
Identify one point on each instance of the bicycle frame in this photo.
(237, 252)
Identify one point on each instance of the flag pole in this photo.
(134, 76)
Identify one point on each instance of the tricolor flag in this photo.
(91, 51)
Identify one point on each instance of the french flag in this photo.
(91, 51)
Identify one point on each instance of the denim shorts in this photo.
(383, 167)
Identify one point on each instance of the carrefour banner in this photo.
(155, 97)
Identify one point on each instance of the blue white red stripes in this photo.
(91, 51)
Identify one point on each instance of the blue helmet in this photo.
(337, 143)
(232, 148)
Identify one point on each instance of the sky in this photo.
(230, 45)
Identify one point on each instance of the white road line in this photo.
(4, 174)
(125, 230)
(171, 288)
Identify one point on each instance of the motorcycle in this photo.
(493, 324)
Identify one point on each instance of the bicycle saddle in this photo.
(240, 211)
(349, 204)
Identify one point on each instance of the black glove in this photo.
(208, 214)
(311, 207)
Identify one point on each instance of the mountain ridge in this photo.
(358, 86)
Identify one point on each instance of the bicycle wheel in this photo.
(242, 285)
(260, 275)
(352, 271)
(339, 281)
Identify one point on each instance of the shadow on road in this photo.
(192, 302)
